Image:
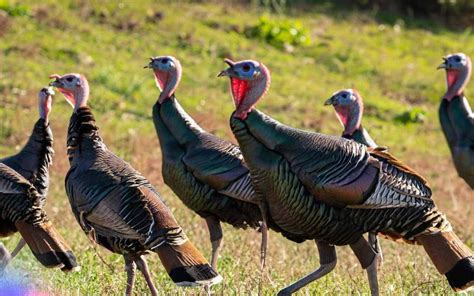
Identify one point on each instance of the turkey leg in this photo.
(130, 268)
(18, 247)
(143, 267)
(375, 245)
(264, 230)
(328, 260)
(215, 232)
(6, 257)
(368, 258)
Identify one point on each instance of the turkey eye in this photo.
(344, 96)
(69, 79)
(164, 61)
(458, 59)
(246, 68)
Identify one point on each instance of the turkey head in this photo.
(167, 70)
(45, 101)
(349, 107)
(458, 71)
(249, 81)
(74, 87)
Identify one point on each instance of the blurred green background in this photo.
(388, 50)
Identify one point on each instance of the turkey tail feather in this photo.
(186, 266)
(451, 257)
(47, 245)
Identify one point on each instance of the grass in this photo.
(392, 66)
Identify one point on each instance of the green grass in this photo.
(392, 66)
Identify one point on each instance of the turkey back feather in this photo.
(185, 265)
(47, 245)
(120, 208)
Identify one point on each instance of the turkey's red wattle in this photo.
(239, 90)
(344, 114)
(69, 96)
(452, 77)
(161, 79)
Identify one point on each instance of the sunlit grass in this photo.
(393, 67)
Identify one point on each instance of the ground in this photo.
(391, 62)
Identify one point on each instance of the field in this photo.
(391, 61)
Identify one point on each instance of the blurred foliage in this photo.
(412, 115)
(391, 64)
(283, 34)
(14, 9)
(455, 13)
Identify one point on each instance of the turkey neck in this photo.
(350, 117)
(265, 129)
(44, 114)
(456, 81)
(33, 161)
(361, 135)
(83, 136)
(81, 95)
(183, 128)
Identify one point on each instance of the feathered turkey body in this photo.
(305, 176)
(207, 173)
(112, 199)
(24, 182)
(196, 165)
(117, 206)
(456, 116)
(333, 190)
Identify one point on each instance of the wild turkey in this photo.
(349, 109)
(456, 116)
(117, 207)
(24, 180)
(334, 190)
(207, 173)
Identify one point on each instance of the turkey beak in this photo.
(444, 64)
(48, 90)
(329, 101)
(56, 82)
(229, 71)
(150, 64)
(225, 72)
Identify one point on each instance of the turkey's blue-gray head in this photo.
(45, 102)
(249, 81)
(349, 108)
(458, 71)
(167, 70)
(73, 86)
